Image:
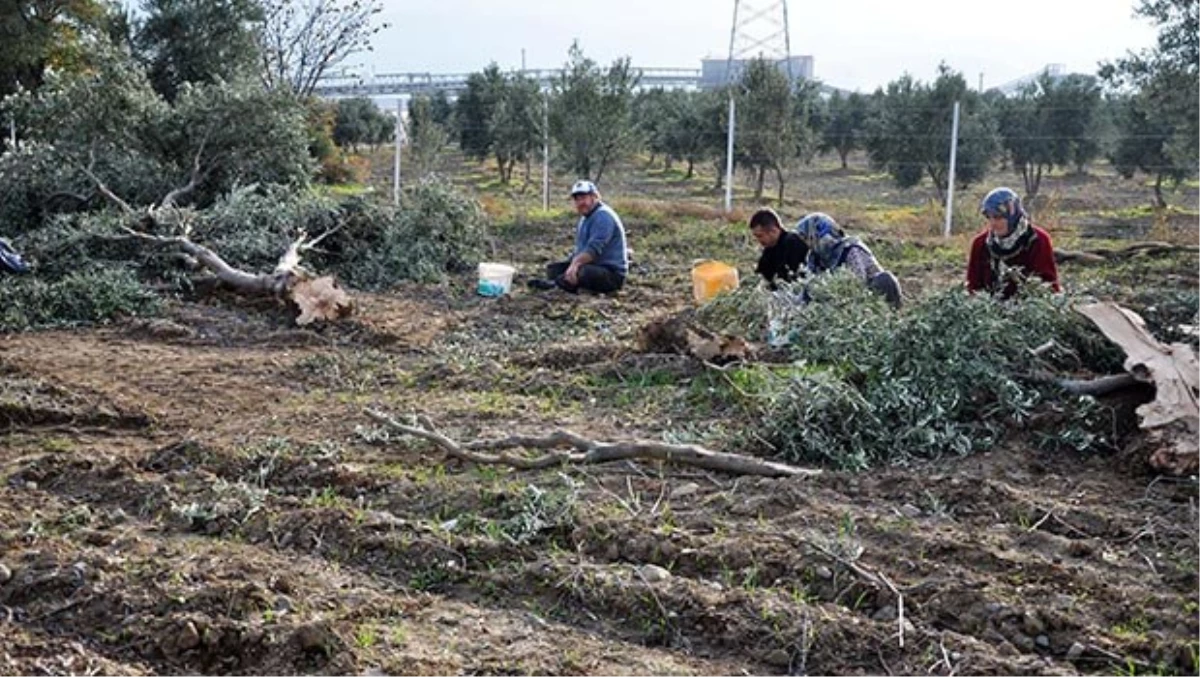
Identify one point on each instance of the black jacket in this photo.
(782, 261)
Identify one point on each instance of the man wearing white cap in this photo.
(599, 261)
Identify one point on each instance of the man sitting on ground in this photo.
(783, 252)
(600, 260)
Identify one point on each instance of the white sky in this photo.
(856, 44)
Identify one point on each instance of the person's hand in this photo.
(572, 275)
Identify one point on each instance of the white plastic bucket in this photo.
(495, 279)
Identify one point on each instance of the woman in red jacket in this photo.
(1010, 250)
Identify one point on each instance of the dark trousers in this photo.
(592, 277)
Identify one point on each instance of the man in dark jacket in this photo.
(783, 252)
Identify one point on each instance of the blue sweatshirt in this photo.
(602, 234)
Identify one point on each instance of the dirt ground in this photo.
(202, 493)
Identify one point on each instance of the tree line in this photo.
(253, 63)
(1138, 112)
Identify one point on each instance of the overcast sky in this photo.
(856, 44)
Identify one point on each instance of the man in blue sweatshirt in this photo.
(599, 261)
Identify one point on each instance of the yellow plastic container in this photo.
(710, 278)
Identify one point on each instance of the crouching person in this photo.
(829, 249)
(783, 252)
(600, 260)
(1010, 249)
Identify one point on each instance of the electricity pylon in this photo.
(760, 30)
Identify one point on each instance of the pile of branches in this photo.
(96, 266)
(116, 191)
(951, 374)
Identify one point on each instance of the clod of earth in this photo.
(681, 334)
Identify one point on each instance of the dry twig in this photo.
(587, 451)
(875, 578)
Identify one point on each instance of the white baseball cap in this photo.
(583, 187)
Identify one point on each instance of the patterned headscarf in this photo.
(1005, 202)
(826, 242)
(1002, 248)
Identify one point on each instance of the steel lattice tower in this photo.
(760, 30)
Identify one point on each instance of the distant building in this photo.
(715, 72)
(1056, 71)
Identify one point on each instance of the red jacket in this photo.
(1038, 260)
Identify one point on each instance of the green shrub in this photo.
(87, 270)
(951, 373)
(252, 227)
(93, 295)
(436, 231)
(110, 119)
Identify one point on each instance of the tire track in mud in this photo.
(1001, 599)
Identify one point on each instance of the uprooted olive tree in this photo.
(116, 184)
(856, 384)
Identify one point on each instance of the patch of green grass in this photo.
(907, 256)
(58, 444)
(429, 579)
(365, 636)
(328, 498)
(1133, 628)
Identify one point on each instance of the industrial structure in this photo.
(716, 72)
(350, 83)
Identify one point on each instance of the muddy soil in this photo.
(201, 493)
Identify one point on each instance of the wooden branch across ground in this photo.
(1102, 385)
(560, 443)
(1106, 255)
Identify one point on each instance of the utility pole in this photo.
(399, 138)
(760, 29)
(545, 151)
(729, 153)
(953, 157)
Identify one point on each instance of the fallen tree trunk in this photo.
(1099, 386)
(1101, 255)
(587, 451)
(1173, 417)
(317, 298)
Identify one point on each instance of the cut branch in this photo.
(1099, 386)
(105, 191)
(197, 176)
(559, 444)
(317, 298)
(240, 280)
(1104, 255)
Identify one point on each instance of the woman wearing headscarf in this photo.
(1010, 249)
(829, 249)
